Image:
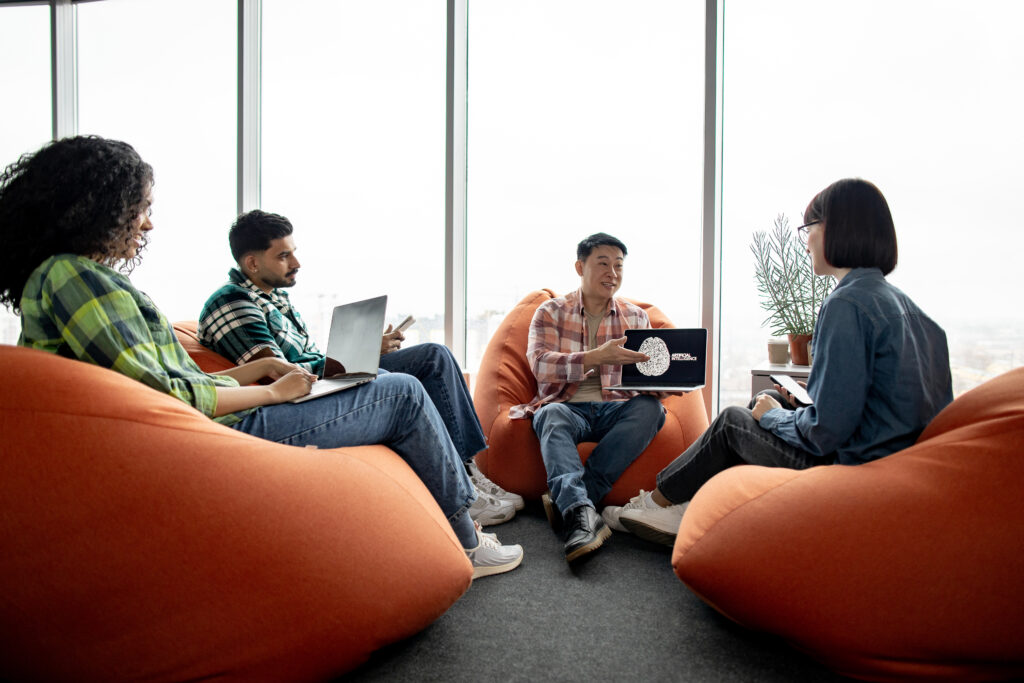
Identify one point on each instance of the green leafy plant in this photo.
(789, 290)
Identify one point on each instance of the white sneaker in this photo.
(648, 520)
(491, 557)
(482, 483)
(610, 514)
(489, 510)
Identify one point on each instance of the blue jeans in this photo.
(622, 429)
(734, 438)
(393, 410)
(439, 373)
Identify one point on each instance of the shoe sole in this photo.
(602, 536)
(551, 512)
(479, 572)
(648, 533)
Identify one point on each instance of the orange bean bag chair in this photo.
(911, 566)
(142, 540)
(205, 358)
(513, 458)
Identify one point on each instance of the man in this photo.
(575, 350)
(251, 317)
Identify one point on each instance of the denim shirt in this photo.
(880, 374)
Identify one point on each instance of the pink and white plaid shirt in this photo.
(558, 340)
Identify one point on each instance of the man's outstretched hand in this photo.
(612, 352)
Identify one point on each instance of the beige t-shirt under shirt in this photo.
(590, 388)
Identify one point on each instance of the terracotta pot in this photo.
(798, 349)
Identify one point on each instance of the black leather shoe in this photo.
(553, 515)
(585, 532)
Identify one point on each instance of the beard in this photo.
(280, 282)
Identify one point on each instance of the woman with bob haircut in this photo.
(74, 217)
(880, 373)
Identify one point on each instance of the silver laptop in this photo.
(354, 341)
(677, 360)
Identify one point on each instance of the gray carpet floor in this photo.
(620, 615)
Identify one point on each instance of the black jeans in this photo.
(734, 438)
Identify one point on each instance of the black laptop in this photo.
(677, 360)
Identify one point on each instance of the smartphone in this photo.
(405, 324)
(794, 389)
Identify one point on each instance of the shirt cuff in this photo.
(773, 417)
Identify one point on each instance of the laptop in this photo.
(677, 360)
(354, 341)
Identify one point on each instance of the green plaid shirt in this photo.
(77, 308)
(239, 320)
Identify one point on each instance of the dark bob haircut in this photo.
(596, 240)
(255, 230)
(859, 232)
(79, 195)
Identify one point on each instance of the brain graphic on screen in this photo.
(657, 350)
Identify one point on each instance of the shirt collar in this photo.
(276, 295)
(861, 274)
(576, 299)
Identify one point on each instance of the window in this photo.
(354, 153)
(25, 118)
(583, 117)
(161, 75)
(921, 98)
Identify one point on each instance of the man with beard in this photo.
(251, 317)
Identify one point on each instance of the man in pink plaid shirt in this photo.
(576, 349)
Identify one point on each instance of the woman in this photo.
(78, 208)
(880, 373)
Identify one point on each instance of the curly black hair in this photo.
(79, 195)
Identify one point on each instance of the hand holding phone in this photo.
(405, 324)
(794, 389)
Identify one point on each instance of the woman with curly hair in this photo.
(79, 208)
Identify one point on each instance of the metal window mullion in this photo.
(455, 181)
(249, 131)
(711, 237)
(64, 68)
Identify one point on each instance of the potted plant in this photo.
(789, 290)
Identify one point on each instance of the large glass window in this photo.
(354, 153)
(25, 83)
(920, 97)
(584, 116)
(161, 75)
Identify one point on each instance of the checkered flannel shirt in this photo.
(239, 320)
(558, 340)
(77, 308)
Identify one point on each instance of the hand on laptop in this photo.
(391, 341)
(612, 352)
(296, 383)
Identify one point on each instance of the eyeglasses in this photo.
(802, 230)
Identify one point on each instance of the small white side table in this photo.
(759, 379)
